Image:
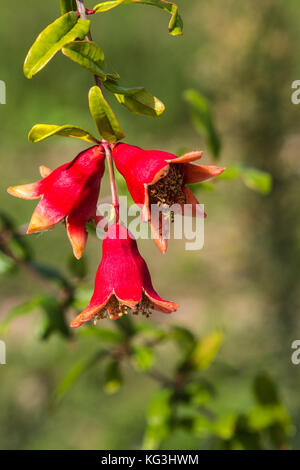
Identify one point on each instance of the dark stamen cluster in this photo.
(170, 189)
(114, 308)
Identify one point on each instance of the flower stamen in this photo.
(115, 309)
(170, 189)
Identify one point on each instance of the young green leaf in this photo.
(137, 100)
(206, 350)
(43, 131)
(202, 120)
(63, 30)
(143, 357)
(106, 122)
(175, 24)
(108, 5)
(90, 56)
(257, 180)
(67, 5)
(253, 178)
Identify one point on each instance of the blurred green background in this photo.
(243, 56)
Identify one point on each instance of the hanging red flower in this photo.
(159, 178)
(68, 193)
(123, 283)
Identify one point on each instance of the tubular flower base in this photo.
(68, 193)
(123, 283)
(156, 178)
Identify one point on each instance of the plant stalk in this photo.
(113, 185)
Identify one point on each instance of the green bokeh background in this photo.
(243, 56)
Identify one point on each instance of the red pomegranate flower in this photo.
(159, 178)
(70, 192)
(123, 281)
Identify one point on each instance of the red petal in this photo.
(187, 157)
(195, 209)
(156, 229)
(197, 173)
(88, 314)
(27, 191)
(121, 266)
(161, 305)
(140, 167)
(146, 213)
(77, 235)
(45, 216)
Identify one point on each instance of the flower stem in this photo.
(82, 14)
(113, 185)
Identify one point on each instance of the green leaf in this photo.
(67, 5)
(108, 5)
(201, 426)
(143, 357)
(265, 390)
(202, 120)
(253, 178)
(257, 180)
(137, 100)
(106, 122)
(113, 377)
(73, 375)
(199, 394)
(175, 24)
(262, 417)
(41, 132)
(54, 321)
(206, 350)
(158, 419)
(224, 427)
(184, 338)
(63, 30)
(90, 56)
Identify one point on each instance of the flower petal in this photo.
(156, 225)
(77, 235)
(45, 216)
(88, 313)
(44, 171)
(197, 173)
(27, 191)
(146, 213)
(192, 206)
(162, 173)
(187, 157)
(161, 305)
